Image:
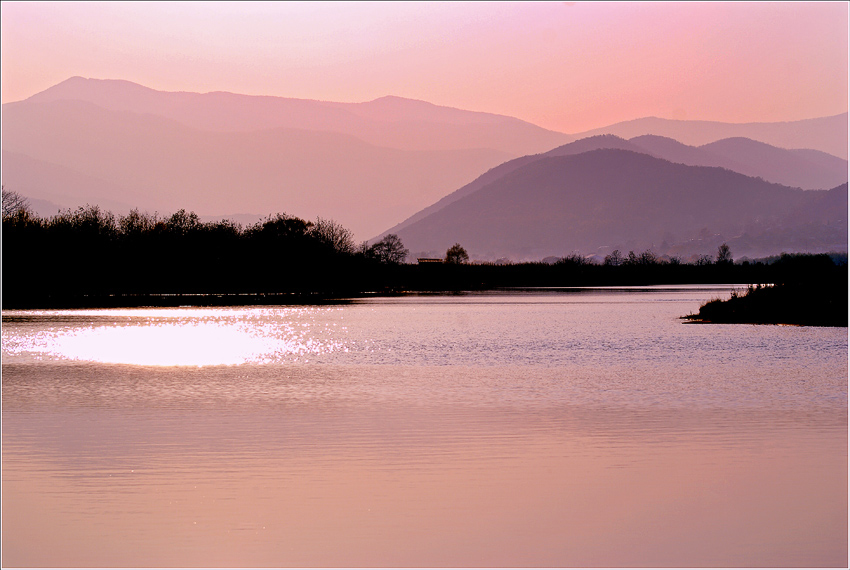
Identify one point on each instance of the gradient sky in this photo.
(565, 66)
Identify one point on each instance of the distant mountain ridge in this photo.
(808, 169)
(826, 134)
(366, 165)
(799, 168)
(389, 121)
(599, 200)
(157, 164)
(805, 168)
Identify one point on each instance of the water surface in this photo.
(582, 428)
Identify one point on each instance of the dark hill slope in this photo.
(602, 199)
(802, 168)
(494, 174)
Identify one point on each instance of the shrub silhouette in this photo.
(456, 254)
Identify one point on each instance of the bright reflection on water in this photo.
(164, 345)
(590, 428)
(175, 337)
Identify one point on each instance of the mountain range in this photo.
(826, 134)
(805, 168)
(366, 165)
(598, 200)
(392, 122)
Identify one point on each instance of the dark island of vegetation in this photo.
(812, 292)
(91, 258)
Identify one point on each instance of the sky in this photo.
(569, 66)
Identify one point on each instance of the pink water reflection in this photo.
(556, 430)
(426, 487)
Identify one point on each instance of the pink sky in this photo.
(565, 66)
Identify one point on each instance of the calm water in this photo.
(584, 428)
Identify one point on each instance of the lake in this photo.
(585, 427)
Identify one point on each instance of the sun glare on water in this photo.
(182, 338)
(200, 344)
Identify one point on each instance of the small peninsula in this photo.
(814, 293)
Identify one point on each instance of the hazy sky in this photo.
(564, 66)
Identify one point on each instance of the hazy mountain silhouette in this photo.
(156, 163)
(800, 168)
(367, 165)
(388, 121)
(804, 168)
(611, 198)
(808, 169)
(826, 134)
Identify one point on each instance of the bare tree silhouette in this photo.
(333, 234)
(13, 202)
(389, 250)
(724, 254)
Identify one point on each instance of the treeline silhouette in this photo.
(90, 257)
(89, 254)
